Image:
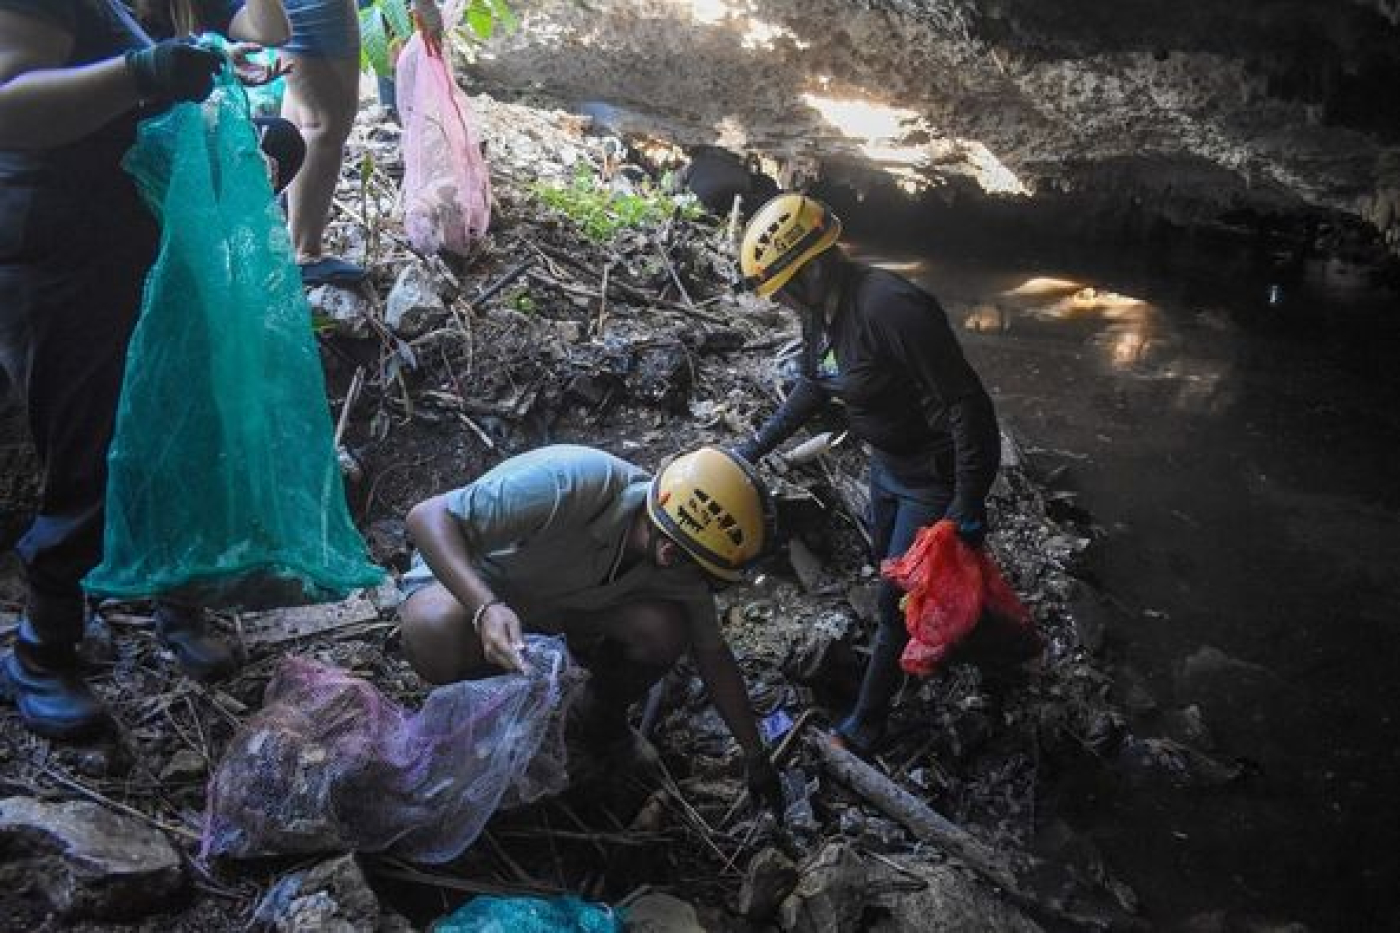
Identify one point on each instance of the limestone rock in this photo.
(950, 902)
(347, 312)
(86, 860)
(662, 913)
(831, 895)
(332, 897)
(771, 877)
(414, 306)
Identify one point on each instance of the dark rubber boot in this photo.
(44, 682)
(201, 652)
(864, 729)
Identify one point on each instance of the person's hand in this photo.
(428, 18)
(971, 520)
(749, 451)
(251, 73)
(501, 641)
(765, 784)
(174, 70)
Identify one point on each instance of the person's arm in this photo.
(453, 531)
(720, 673)
(725, 684)
(42, 103)
(805, 400)
(262, 21)
(444, 548)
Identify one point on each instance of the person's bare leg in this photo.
(322, 97)
(438, 641)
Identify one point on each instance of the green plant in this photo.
(599, 211)
(385, 24)
(521, 301)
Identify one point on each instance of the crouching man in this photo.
(572, 540)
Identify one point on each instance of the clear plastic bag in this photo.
(446, 185)
(330, 764)
(223, 483)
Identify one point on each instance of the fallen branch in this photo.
(922, 821)
(490, 291)
(1022, 877)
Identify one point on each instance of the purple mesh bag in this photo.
(330, 764)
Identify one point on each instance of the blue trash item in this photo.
(224, 486)
(566, 914)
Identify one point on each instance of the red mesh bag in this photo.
(949, 587)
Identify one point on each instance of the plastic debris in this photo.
(330, 764)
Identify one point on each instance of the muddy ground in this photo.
(635, 344)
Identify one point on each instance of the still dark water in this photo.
(1241, 462)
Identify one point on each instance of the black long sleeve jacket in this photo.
(891, 357)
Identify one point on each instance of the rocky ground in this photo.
(632, 342)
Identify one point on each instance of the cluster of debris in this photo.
(636, 343)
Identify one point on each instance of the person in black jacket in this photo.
(884, 348)
(76, 242)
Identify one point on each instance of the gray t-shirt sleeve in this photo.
(503, 508)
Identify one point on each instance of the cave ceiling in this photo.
(1275, 105)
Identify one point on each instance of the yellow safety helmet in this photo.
(712, 504)
(784, 235)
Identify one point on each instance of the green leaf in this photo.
(481, 19)
(504, 16)
(396, 12)
(374, 42)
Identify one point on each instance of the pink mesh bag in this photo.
(446, 185)
(330, 764)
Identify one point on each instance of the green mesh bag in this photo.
(224, 487)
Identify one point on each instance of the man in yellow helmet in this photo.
(883, 347)
(572, 540)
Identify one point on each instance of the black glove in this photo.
(971, 519)
(805, 400)
(765, 784)
(174, 70)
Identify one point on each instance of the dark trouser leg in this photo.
(640, 642)
(899, 509)
(66, 314)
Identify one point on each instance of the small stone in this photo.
(184, 766)
(831, 895)
(805, 564)
(414, 306)
(333, 896)
(662, 913)
(770, 878)
(1188, 725)
(346, 312)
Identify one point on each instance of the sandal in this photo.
(329, 270)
